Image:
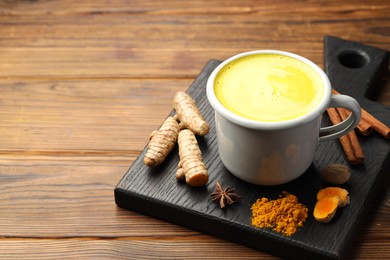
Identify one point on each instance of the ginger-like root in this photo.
(335, 191)
(162, 142)
(328, 200)
(188, 114)
(325, 209)
(191, 167)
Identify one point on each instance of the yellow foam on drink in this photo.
(268, 87)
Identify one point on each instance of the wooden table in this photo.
(83, 83)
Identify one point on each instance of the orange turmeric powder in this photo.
(284, 215)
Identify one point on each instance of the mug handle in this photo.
(335, 131)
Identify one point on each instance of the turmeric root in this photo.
(162, 142)
(188, 114)
(335, 191)
(328, 200)
(325, 209)
(191, 167)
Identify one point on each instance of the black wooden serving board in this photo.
(353, 69)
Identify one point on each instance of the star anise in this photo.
(225, 196)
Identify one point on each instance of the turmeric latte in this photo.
(268, 87)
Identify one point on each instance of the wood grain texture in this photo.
(170, 40)
(82, 83)
(93, 115)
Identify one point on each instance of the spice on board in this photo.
(284, 215)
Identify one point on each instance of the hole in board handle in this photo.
(353, 59)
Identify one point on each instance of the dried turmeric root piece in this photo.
(325, 209)
(162, 142)
(191, 167)
(335, 191)
(188, 114)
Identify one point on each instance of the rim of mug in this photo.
(254, 124)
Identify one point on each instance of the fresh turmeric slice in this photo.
(328, 200)
(162, 142)
(325, 208)
(191, 167)
(188, 114)
(335, 191)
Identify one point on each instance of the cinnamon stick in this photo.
(364, 128)
(377, 125)
(368, 119)
(357, 149)
(349, 142)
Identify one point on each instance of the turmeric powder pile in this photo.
(284, 215)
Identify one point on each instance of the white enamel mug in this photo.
(273, 153)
